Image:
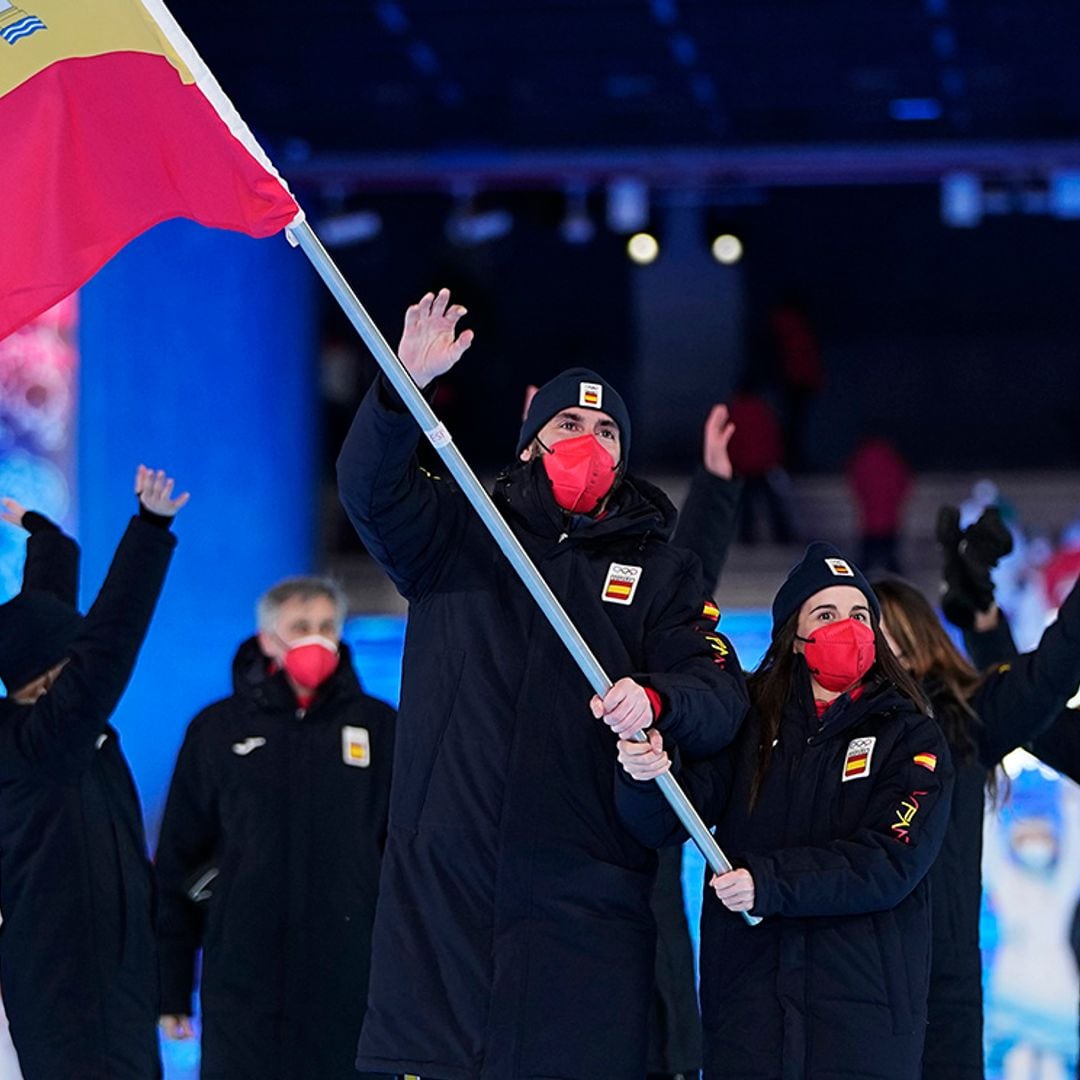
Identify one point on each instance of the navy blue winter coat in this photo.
(513, 936)
(77, 956)
(834, 981)
(268, 795)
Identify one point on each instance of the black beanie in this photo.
(821, 567)
(575, 388)
(36, 631)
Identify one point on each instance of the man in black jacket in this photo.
(513, 936)
(274, 828)
(77, 959)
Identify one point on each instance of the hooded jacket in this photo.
(849, 818)
(1019, 702)
(513, 936)
(77, 958)
(276, 817)
(1017, 699)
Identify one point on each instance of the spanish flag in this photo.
(112, 123)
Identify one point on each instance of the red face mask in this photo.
(311, 661)
(839, 654)
(581, 472)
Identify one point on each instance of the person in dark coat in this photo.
(270, 849)
(77, 959)
(513, 936)
(984, 716)
(988, 638)
(674, 1017)
(832, 805)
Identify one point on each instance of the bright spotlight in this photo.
(727, 249)
(643, 248)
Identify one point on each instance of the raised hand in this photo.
(155, 492)
(718, 431)
(429, 347)
(12, 512)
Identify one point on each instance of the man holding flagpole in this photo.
(513, 936)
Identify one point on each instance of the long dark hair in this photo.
(932, 658)
(773, 682)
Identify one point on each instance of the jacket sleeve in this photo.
(647, 815)
(1059, 744)
(1022, 697)
(187, 845)
(407, 519)
(880, 863)
(707, 521)
(694, 669)
(388, 729)
(59, 732)
(52, 559)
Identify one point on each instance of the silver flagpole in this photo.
(440, 439)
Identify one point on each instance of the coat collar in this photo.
(523, 493)
(844, 714)
(253, 682)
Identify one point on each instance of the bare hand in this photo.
(718, 431)
(644, 761)
(12, 511)
(735, 889)
(428, 346)
(178, 1028)
(624, 708)
(988, 619)
(155, 492)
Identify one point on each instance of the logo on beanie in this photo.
(621, 584)
(839, 568)
(857, 759)
(356, 746)
(591, 395)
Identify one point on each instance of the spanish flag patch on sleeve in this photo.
(710, 611)
(927, 761)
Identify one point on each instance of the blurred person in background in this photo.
(1032, 868)
(270, 850)
(757, 455)
(970, 604)
(78, 964)
(880, 482)
(800, 366)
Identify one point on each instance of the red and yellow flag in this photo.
(112, 123)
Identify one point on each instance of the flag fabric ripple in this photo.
(112, 123)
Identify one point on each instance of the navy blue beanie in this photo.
(575, 388)
(36, 631)
(822, 566)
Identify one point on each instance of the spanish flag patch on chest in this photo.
(857, 758)
(621, 583)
